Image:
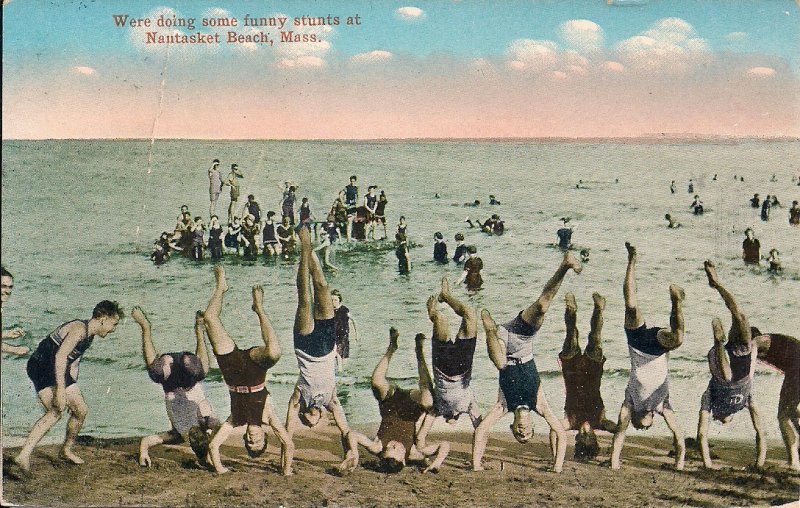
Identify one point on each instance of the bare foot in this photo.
(488, 323)
(24, 464)
(572, 305)
(676, 293)
(445, 292)
(599, 301)
(70, 456)
(711, 273)
(219, 273)
(431, 305)
(258, 298)
(719, 332)
(420, 338)
(144, 459)
(570, 262)
(394, 335)
(631, 252)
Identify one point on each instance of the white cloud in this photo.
(302, 62)
(372, 57)
(737, 37)
(613, 66)
(761, 72)
(582, 34)
(410, 13)
(669, 46)
(86, 71)
(529, 54)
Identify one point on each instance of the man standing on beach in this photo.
(53, 368)
(181, 376)
(233, 182)
(214, 186)
(245, 373)
(648, 388)
(732, 361)
(314, 347)
(401, 409)
(6, 286)
(751, 248)
(521, 392)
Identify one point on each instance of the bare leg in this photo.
(323, 304)
(677, 436)
(221, 342)
(571, 346)
(740, 328)
(633, 318)
(619, 437)
(534, 314)
(40, 428)
(789, 433)
(761, 441)
(702, 431)
(723, 359)
(496, 347)
(674, 338)
(78, 411)
(424, 394)
(469, 320)
(440, 327)
(594, 349)
(268, 354)
(380, 385)
(304, 318)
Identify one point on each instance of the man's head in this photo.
(336, 297)
(472, 250)
(353, 180)
(393, 457)
(586, 447)
(459, 237)
(438, 236)
(251, 198)
(7, 283)
(748, 233)
(310, 416)
(270, 215)
(255, 440)
(184, 209)
(214, 219)
(108, 315)
(642, 421)
(215, 163)
(522, 426)
(371, 189)
(285, 220)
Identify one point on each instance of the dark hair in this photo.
(438, 235)
(353, 177)
(250, 196)
(402, 217)
(4, 272)
(586, 446)
(459, 236)
(338, 293)
(107, 308)
(215, 160)
(372, 187)
(305, 200)
(252, 452)
(390, 465)
(270, 214)
(472, 249)
(198, 218)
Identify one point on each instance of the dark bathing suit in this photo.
(519, 379)
(399, 415)
(582, 378)
(784, 354)
(245, 380)
(341, 319)
(41, 366)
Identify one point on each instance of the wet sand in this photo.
(516, 475)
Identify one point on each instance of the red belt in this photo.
(246, 389)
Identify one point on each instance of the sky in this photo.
(418, 69)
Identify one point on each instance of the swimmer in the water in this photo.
(648, 388)
(755, 201)
(794, 214)
(460, 254)
(732, 361)
(493, 200)
(565, 234)
(584, 255)
(751, 248)
(672, 222)
(774, 262)
(697, 205)
(474, 203)
(672, 187)
(440, 249)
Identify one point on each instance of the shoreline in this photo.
(515, 475)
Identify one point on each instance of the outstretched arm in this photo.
(381, 387)
(148, 350)
(761, 441)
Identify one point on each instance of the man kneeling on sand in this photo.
(401, 409)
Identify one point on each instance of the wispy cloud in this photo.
(83, 70)
(410, 13)
(372, 57)
(761, 72)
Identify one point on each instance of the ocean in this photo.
(79, 219)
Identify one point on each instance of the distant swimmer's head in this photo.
(305, 200)
(438, 236)
(285, 220)
(255, 440)
(459, 237)
(214, 219)
(270, 214)
(215, 162)
(586, 446)
(336, 298)
(749, 233)
(668, 216)
(402, 219)
(522, 426)
(472, 249)
(251, 198)
(184, 209)
(371, 189)
(353, 179)
(794, 203)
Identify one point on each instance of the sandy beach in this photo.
(516, 475)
